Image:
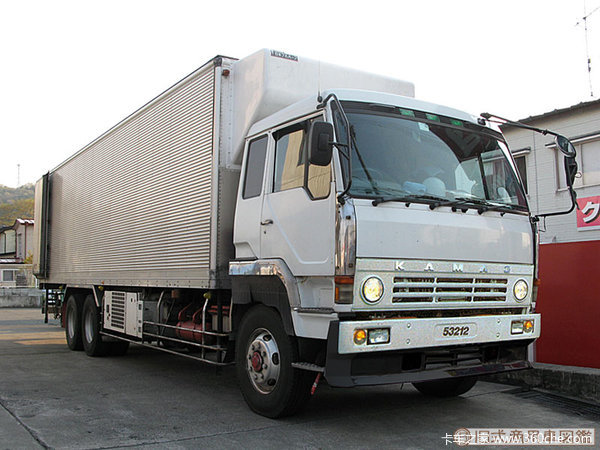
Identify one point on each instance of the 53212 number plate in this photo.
(456, 331)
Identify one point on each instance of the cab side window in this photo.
(289, 160)
(255, 167)
(291, 166)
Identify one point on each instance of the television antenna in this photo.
(585, 17)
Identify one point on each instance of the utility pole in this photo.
(18, 175)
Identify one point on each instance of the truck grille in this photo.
(446, 289)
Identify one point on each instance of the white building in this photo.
(16, 247)
(569, 295)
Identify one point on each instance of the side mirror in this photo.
(565, 146)
(320, 143)
(570, 170)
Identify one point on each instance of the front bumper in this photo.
(433, 332)
(420, 352)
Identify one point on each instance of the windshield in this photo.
(406, 153)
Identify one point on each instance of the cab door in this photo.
(298, 210)
(247, 230)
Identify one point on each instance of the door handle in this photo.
(267, 222)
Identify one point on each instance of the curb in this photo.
(579, 382)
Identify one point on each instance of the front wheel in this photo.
(451, 387)
(264, 357)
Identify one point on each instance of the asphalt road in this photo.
(51, 397)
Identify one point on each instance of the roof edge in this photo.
(556, 112)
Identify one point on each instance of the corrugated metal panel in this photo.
(138, 199)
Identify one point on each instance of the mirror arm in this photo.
(322, 104)
(339, 144)
(502, 121)
(574, 205)
(571, 209)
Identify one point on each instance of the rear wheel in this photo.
(92, 339)
(264, 356)
(73, 322)
(451, 387)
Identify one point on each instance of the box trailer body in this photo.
(208, 220)
(151, 201)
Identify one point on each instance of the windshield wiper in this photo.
(484, 205)
(432, 200)
(462, 203)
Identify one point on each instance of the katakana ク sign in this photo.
(588, 214)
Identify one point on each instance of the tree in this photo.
(19, 209)
(8, 194)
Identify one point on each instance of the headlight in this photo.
(372, 290)
(520, 290)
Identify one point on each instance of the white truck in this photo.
(300, 220)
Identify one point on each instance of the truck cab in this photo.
(407, 256)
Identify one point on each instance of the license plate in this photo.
(463, 330)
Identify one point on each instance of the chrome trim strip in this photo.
(345, 243)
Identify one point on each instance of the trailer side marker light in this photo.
(360, 336)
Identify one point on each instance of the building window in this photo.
(20, 251)
(521, 162)
(588, 161)
(8, 275)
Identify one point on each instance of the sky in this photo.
(70, 70)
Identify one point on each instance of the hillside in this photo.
(8, 194)
(16, 203)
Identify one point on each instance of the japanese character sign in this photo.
(588, 214)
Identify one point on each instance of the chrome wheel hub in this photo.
(263, 364)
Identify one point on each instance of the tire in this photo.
(90, 329)
(73, 322)
(452, 387)
(118, 348)
(264, 356)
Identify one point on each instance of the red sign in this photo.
(588, 214)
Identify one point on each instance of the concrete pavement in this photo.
(51, 397)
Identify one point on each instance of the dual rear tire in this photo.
(73, 321)
(82, 328)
